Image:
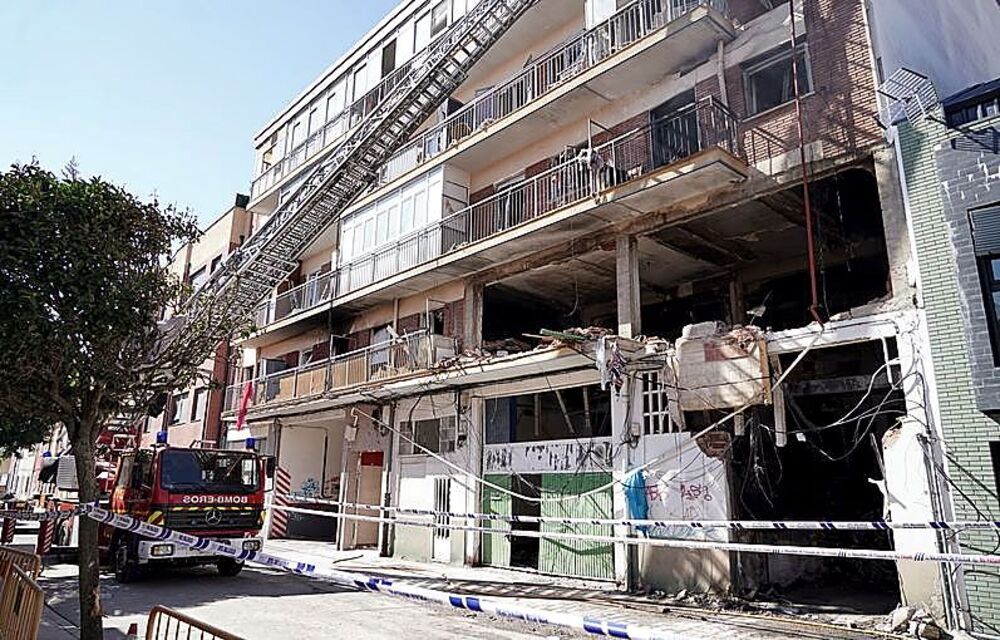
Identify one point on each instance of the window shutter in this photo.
(986, 230)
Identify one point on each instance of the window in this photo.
(179, 410)
(995, 457)
(267, 153)
(296, 135)
(388, 58)
(216, 261)
(198, 277)
(768, 81)
(985, 108)
(314, 120)
(200, 404)
(437, 435)
(560, 414)
(986, 243)
(421, 32)
(439, 17)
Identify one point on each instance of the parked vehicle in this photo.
(207, 492)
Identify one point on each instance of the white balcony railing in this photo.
(333, 130)
(629, 156)
(568, 60)
(407, 354)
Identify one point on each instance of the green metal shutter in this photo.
(496, 547)
(576, 557)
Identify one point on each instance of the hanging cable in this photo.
(658, 459)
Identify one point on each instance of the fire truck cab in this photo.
(206, 492)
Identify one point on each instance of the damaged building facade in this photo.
(611, 252)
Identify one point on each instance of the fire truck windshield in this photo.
(197, 471)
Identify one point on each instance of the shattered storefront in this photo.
(818, 423)
(548, 452)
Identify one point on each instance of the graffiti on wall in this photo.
(690, 484)
(553, 456)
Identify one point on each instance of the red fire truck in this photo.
(207, 492)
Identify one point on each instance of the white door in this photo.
(441, 551)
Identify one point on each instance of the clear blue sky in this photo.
(162, 96)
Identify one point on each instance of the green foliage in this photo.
(83, 283)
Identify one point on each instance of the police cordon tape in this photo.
(735, 525)
(587, 624)
(41, 516)
(825, 552)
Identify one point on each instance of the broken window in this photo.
(436, 435)
(560, 414)
(986, 242)
(768, 80)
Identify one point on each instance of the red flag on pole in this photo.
(245, 399)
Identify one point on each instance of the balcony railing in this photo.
(629, 156)
(333, 130)
(568, 60)
(407, 354)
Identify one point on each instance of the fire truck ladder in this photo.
(269, 256)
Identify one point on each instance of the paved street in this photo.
(261, 603)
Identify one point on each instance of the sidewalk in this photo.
(599, 599)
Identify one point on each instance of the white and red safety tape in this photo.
(587, 624)
(735, 525)
(826, 552)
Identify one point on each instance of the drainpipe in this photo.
(810, 244)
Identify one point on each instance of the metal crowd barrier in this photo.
(30, 563)
(21, 603)
(166, 624)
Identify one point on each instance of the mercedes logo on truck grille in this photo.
(213, 517)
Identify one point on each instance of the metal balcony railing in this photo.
(409, 353)
(333, 130)
(568, 60)
(629, 156)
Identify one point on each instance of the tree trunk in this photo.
(91, 625)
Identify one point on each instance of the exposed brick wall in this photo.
(359, 339)
(482, 194)
(841, 110)
(408, 324)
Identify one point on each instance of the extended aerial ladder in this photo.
(269, 256)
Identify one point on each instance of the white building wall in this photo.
(955, 43)
(416, 477)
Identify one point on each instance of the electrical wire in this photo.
(658, 459)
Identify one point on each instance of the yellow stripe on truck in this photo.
(155, 518)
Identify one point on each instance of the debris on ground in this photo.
(914, 622)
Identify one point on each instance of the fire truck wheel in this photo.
(229, 567)
(126, 568)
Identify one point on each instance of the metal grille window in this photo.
(656, 405)
(986, 242)
(442, 502)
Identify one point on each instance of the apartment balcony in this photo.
(691, 153)
(409, 354)
(639, 45)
